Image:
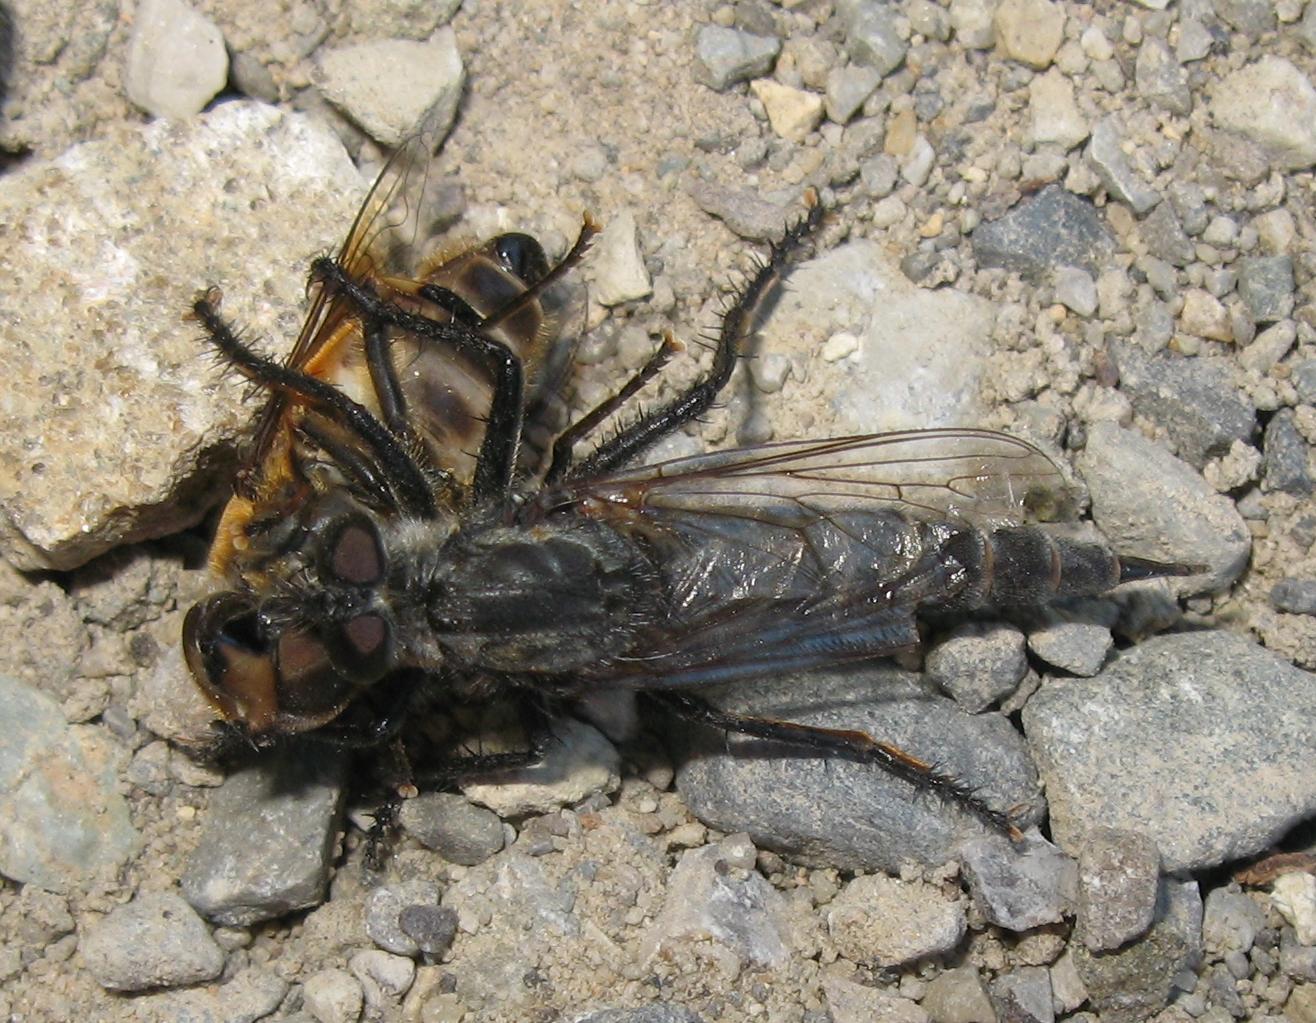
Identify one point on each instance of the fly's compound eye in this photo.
(361, 648)
(521, 255)
(277, 681)
(354, 554)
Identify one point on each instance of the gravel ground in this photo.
(1088, 224)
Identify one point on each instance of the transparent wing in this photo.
(977, 476)
(802, 554)
(386, 225)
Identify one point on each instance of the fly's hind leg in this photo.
(845, 744)
(737, 325)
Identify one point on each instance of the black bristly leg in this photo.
(502, 432)
(535, 722)
(412, 492)
(847, 744)
(384, 377)
(564, 446)
(737, 325)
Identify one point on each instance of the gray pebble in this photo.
(333, 996)
(847, 89)
(1160, 80)
(1106, 155)
(1162, 743)
(744, 211)
(1075, 289)
(1238, 965)
(1296, 596)
(1053, 228)
(1150, 504)
(1195, 40)
(1269, 347)
(957, 996)
(157, 940)
(384, 909)
(451, 826)
(1079, 648)
(1135, 981)
(1306, 29)
(617, 264)
(770, 372)
(1266, 284)
(845, 814)
(1019, 885)
(978, 663)
(251, 994)
(432, 928)
(885, 921)
(714, 892)
(1165, 237)
(917, 164)
(1163, 277)
(383, 977)
(393, 88)
(1304, 381)
(1189, 201)
(1223, 993)
(1253, 18)
(1066, 985)
(1286, 454)
(1295, 959)
(1283, 134)
(1023, 995)
(656, 1013)
(727, 55)
(267, 841)
(579, 762)
(1118, 881)
(879, 174)
(65, 821)
(177, 62)
(929, 19)
(871, 37)
(1194, 400)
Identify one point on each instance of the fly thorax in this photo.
(556, 597)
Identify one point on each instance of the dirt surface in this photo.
(571, 108)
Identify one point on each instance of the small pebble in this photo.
(1296, 596)
(727, 56)
(333, 996)
(157, 940)
(793, 113)
(618, 265)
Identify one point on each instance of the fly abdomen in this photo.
(1025, 566)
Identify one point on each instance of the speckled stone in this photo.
(110, 413)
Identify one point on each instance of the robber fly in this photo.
(385, 546)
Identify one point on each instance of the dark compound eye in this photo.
(521, 255)
(355, 555)
(361, 648)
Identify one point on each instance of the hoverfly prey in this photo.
(383, 544)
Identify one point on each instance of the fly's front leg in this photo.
(846, 744)
(737, 325)
(502, 432)
(410, 490)
(564, 446)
